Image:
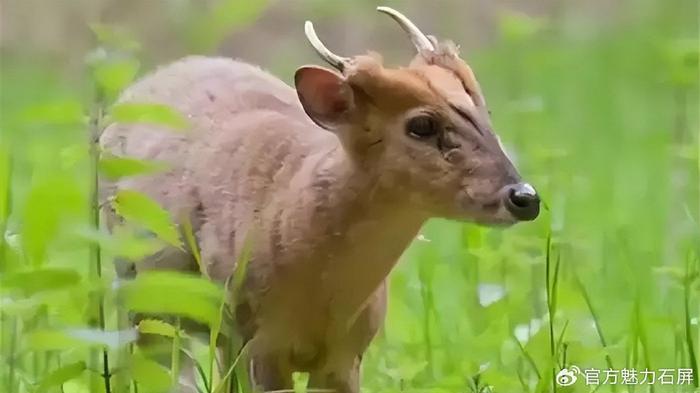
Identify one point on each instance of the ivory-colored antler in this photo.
(420, 40)
(331, 58)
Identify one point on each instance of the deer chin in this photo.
(501, 219)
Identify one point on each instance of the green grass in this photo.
(604, 123)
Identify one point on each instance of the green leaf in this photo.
(123, 242)
(242, 262)
(149, 113)
(114, 75)
(191, 243)
(51, 340)
(22, 307)
(241, 371)
(139, 208)
(104, 338)
(42, 219)
(113, 167)
(150, 375)
(156, 326)
(38, 280)
(61, 375)
(59, 340)
(174, 293)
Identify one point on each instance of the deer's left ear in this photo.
(326, 96)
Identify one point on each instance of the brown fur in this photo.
(329, 212)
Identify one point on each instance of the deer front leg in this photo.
(342, 373)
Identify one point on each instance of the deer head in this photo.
(424, 130)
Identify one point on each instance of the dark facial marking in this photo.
(468, 117)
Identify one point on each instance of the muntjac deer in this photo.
(335, 178)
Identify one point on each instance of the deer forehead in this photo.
(449, 85)
(399, 90)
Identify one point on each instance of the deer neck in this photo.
(366, 224)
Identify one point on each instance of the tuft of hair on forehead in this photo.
(393, 90)
(397, 89)
(446, 55)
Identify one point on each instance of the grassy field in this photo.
(603, 121)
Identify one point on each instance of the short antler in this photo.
(420, 40)
(331, 58)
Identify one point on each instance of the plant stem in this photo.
(688, 329)
(5, 206)
(551, 304)
(11, 355)
(598, 328)
(175, 355)
(95, 250)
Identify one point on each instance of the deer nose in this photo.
(522, 202)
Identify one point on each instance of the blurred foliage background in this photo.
(596, 100)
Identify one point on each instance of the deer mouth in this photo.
(511, 204)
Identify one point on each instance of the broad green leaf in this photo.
(174, 293)
(149, 113)
(58, 340)
(38, 280)
(115, 74)
(52, 340)
(156, 326)
(104, 338)
(22, 307)
(59, 376)
(123, 242)
(151, 376)
(113, 167)
(42, 217)
(139, 208)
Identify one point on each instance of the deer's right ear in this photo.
(325, 96)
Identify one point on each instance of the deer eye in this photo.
(423, 126)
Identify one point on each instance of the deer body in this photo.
(328, 213)
(312, 294)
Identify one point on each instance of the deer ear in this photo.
(326, 96)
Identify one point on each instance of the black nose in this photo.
(522, 202)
